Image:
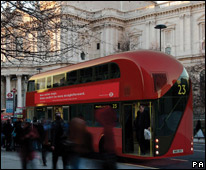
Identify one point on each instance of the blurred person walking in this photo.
(29, 134)
(81, 141)
(106, 116)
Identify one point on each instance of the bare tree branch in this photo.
(37, 31)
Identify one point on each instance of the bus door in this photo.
(66, 114)
(127, 130)
(49, 115)
(58, 109)
(147, 144)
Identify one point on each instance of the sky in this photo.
(160, 2)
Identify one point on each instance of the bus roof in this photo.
(135, 56)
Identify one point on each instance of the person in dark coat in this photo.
(56, 146)
(142, 122)
(7, 129)
(18, 131)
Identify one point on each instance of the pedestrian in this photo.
(198, 126)
(107, 117)
(57, 134)
(18, 131)
(142, 122)
(28, 154)
(7, 130)
(2, 134)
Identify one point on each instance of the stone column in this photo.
(8, 84)
(181, 35)
(107, 45)
(188, 33)
(102, 43)
(3, 97)
(147, 35)
(19, 91)
(112, 37)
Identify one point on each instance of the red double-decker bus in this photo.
(122, 81)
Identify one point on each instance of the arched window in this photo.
(168, 50)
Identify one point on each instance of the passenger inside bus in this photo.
(142, 122)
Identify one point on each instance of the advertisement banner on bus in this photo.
(100, 91)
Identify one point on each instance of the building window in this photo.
(168, 40)
(202, 36)
(82, 55)
(168, 50)
(98, 46)
(118, 46)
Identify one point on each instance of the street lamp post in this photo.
(39, 69)
(160, 26)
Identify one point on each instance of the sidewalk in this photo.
(199, 140)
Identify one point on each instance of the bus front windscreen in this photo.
(169, 110)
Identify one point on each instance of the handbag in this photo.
(147, 134)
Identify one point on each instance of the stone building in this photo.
(128, 25)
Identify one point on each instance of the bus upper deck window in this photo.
(72, 78)
(49, 83)
(59, 80)
(31, 86)
(115, 72)
(40, 84)
(101, 72)
(86, 75)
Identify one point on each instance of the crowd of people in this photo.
(70, 140)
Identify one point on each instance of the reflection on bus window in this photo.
(40, 84)
(59, 80)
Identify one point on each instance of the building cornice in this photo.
(134, 15)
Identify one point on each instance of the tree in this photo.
(38, 31)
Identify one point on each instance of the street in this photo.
(11, 160)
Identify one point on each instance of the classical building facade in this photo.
(127, 25)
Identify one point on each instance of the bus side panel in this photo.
(30, 99)
(130, 88)
(184, 135)
(98, 134)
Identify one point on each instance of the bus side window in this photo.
(86, 75)
(49, 83)
(40, 84)
(31, 86)
(72, 78)
(101, 72)
(59, 80)
(114, 71)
